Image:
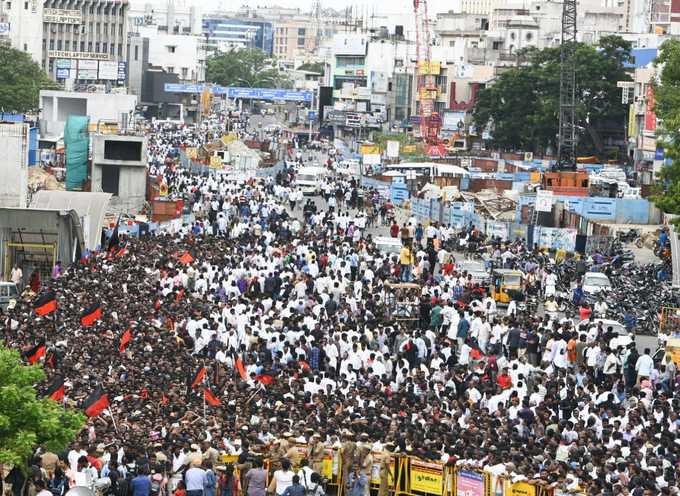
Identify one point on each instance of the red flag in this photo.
(164, 400)
(304, 365)
(46, 303)
(36, 353)
(186, 259)
(241, 368)
(124, 340)
(198, 377)
(91, 315)
(265, 379)
(210, 398)
(56, 390)
(96, 403)
(121, 252)
(51, 360)
(144, 394)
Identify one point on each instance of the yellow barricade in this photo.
(411, 476)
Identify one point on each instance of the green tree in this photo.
(317, 67)
(244, 67)
(522, 104)
(667, 109)
(21, 80)
(26, 421)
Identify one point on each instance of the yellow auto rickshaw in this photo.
(506, 285)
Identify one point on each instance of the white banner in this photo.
(393, 149)
(544, 201)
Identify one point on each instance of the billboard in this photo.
(270, 94)
(62, 16)
(63, 73)
(4, 28)
(451, 120)
(650, 116)
(87, 69)
(108, 70)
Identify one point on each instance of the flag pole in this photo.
(115, 427)
(205, 418)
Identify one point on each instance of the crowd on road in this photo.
(268, 321)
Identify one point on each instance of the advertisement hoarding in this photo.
(108, 70)
(87, 69)
(469, 484)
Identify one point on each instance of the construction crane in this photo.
(566, 147)
(426, 87)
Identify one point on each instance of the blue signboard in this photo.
(122, 71)
(63, 73)
(250, 93)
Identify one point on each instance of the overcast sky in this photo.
(390, 8)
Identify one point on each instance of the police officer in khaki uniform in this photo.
(386, 469)
(292, 453)
(278, 452)
(347, 452)
(364, 458)
(316, 452)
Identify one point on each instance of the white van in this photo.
(309, 179)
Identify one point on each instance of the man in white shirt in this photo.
(643, 366)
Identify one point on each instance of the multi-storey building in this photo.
(294, 39)
(85, 40)
(224, 33)
(175, 17)
(20, 22)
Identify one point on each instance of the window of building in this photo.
(68, 28)
(301, 31)
(171, 70)
(96, 47)
(171, 48)
(496, 45)
(92, 9)
(113, 48)
(452, 43)
(82, 46)
(25, 5)
(26, 47)
(67, 45)
(9, 5)
(136, 52)
(110, 179)
(120, 49)
(105, 47)
(89, 46)
(529, 36)
(120, 30)
(99, 28)
(185, 72)
(301, 43)
(105, 28)
(51, 44)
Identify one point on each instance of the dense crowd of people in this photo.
(270, 321)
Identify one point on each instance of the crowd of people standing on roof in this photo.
(288, 310)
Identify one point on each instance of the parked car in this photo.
(8, 292)
(594, 282)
